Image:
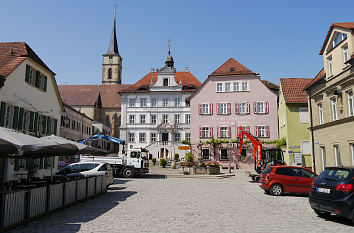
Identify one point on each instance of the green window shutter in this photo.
(55, 126)
(20, 119)
(35, 128)
(49, 122)
(31, 122)
(15, 118)
(44, 124)
(2, 113)
(38, 79)
(45, 83)
(27, 73)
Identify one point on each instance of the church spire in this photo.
(113, 45)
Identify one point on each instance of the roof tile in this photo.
(321, 75)
(293, 90)
(231, 67)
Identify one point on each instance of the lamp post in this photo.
(229, 146)
(200, 158)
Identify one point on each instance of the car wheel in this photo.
(128, 173)
(276, 190)
(322, 214)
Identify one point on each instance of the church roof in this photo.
(188, 80)
(113, 44)
(87, 95)
(231, 67)
(12, 54)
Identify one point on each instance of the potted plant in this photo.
(163, 162)
(213, 168)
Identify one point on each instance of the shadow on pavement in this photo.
(340, 220)
(120, 181)
(152, 176)
(70, 218)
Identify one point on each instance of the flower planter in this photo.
(213, 170)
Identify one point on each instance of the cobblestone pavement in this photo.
(158, 204)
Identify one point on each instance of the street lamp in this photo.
(229, 146)
(200, 156)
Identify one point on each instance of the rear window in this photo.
(283, 171)
(103, 168)
(267, 170)
(88, 166)
(335, 174)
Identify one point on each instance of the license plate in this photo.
(323, 190)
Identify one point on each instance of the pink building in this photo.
(232, 96)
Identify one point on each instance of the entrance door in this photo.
(165, 137)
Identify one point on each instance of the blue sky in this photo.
(274, 38)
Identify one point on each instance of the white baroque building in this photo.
(154, 113)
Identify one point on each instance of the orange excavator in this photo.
(262, 157)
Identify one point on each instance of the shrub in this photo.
(189, 158)
(176, 156)
(153, 160)
(163, 162)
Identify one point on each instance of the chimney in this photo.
(186, 69)
(152, 69)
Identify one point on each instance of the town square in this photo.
(185, 116)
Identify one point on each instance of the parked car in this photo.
(87, 169)
(278, 180)
(333, 192)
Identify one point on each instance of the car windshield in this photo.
(334, 174)
(88, 166)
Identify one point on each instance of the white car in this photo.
(88, 169)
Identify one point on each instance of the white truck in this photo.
(134, 163)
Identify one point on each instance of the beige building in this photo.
(30, 104)
(331, 100)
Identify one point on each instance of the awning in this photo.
(15, 144)
(83, 149)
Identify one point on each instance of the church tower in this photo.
(112, 61)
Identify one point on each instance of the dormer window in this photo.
(165, 82)
(337, 39)
(232, 69)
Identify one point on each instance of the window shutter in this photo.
(200, 132)
(16, 165)
(256, 131)
(55, 126)
(15, 118)
(247, 108)
(35, 127)
(267, 131)
(218, 108)
(266, 107)
(200, 109)
(229, 108)
(236, 108)
(255, 107)
(218, 131)
(20, 120)
(49, 122)
(211, 132)
(2, 113)
(229, 131)
(45, 83)
(38, 79)
(31, 122)
(211, 109)
(41, 163)
(27, 73)
(44, 123)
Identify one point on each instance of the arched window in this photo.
(110, 73)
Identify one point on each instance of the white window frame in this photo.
(236, 86)
(227, 87)
(207, 148)
(143, 102)
(142, 137)
(245, 83)
(320, 113)
(142, 119)
(303, 149)
(350, 103)
(334, 107)
(165, 118)
(188, 118)
(205, 109)
(131, 137)
(153, 137)
(153, 119)
(262, 131)
(177, 102)
(153, 102)
(131, 103)
(223, 131)
(131, 119)
(188, 136)
(177, 118)
(223, 108)
(177, 137)
(330, 66)
(227, 153)
(304, 115)
(336, 151)
(345, 49)
(242, 108)
(323, 156)
(263, 107)
(219, 87)
(165, 102)
(205, 132)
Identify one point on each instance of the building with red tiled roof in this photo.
(232, 96)
(293, 115)
(155, 114)
(332, 100)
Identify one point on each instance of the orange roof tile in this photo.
(12, 54)
(349, 25)
(87, 95)
(231, 67)
(321, 75)
(293, 90)
(189, 82)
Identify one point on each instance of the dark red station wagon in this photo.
(287, 179)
